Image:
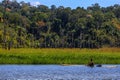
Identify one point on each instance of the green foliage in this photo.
(60, 56)
(23, 25)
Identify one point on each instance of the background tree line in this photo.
(23, 25)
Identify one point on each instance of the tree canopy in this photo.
(24, 25)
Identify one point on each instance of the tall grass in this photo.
(60, 56)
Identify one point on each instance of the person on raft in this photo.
(91, 63)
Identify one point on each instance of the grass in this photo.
(60, 56)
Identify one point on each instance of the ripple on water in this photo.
(58, 72)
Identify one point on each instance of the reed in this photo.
(60, 56)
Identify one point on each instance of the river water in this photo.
(59, 72)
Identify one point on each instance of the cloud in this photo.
(35, 3)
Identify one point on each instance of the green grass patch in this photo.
(60, 56)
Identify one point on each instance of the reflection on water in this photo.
(58, 72)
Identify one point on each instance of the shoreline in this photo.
(60, 56)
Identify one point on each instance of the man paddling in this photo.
(91, 63)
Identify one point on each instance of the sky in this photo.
(73, 3)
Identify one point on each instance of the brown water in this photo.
(59, 72)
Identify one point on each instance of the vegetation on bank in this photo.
(23, 25)
(60, 56)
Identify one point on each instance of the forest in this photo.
(25, 26)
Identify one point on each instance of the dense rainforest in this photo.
(23, 25)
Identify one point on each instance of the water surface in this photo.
(59, 72)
